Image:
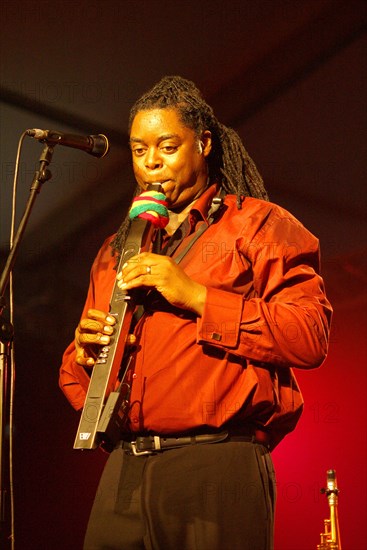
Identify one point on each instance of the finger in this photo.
(87, 338)
(101, 316)
(140, 274)
(139, 261)
(131, 263)
(136, 281)
(90, 325)
(138, 258)
(130, 340)
(129, 270)
(84, 361)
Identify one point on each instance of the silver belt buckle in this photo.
(157, 447)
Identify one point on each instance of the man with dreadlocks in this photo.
(232, 302)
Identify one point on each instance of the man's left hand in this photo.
(162, 273)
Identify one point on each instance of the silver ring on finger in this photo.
(149, 270)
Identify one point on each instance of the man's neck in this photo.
(176, 218)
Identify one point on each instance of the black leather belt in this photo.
(151, 444)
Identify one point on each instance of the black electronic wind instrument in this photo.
(106, 406)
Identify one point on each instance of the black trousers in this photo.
(217, 496)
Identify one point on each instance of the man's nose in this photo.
(153, 159)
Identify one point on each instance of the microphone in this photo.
(96, 145)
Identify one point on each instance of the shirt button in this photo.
(135, 419)
(135, 375)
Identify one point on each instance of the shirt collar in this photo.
(200, 208)
(196, 211)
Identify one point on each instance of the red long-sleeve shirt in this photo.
(266, 312)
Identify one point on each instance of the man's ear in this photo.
(205, 143)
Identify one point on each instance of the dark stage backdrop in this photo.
(290, 76)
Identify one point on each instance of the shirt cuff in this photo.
(221, 319)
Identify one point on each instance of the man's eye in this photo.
(139, 151)
(169, 148)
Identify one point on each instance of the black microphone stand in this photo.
(6, 332)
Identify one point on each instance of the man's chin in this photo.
(178, 206)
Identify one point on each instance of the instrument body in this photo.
(330, 538)
(107, 397)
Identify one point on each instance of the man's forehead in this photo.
(160, 137)
(160, 122)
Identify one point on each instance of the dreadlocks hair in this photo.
(229, 164)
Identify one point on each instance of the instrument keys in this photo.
(103, 355)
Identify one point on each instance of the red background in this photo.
(331, 435)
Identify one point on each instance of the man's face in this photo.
(167, 152)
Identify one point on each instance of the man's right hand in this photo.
(91, 333)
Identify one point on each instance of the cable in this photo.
(12, 352)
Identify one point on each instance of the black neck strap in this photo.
(177, 236)
(212, 214)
